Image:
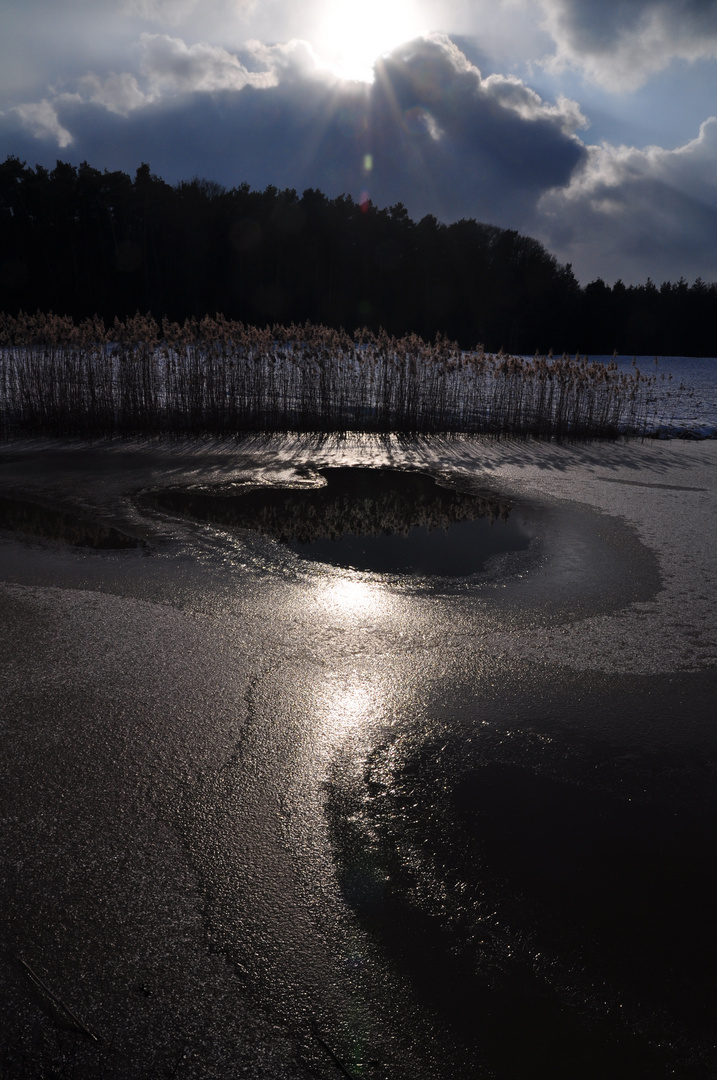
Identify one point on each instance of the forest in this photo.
(82, 242)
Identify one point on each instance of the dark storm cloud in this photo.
(429, 132)
(621, 43)
(465, 145)
(630, 213)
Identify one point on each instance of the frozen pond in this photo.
(275, 798)
(693, 412)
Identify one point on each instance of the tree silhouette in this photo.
(80, 241)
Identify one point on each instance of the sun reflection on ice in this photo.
(369, 674)
(351, 700)
(353, 598)
(351, 706)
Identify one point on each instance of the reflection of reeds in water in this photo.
(365, 502)
(225, 378)
(19, 515)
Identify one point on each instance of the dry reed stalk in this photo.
(222, 377)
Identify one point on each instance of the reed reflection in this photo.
(386, 521)
(31, 519)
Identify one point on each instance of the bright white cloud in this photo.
(512, 93)
(119, 94)
(292, 60)
(41, 120)
(172, 67)
(621, 43)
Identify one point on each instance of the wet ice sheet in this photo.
(664, 491)
(177, 718)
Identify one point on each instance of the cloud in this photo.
(294, 60)
(41, 120)
(168, 12)
(119, 94)
(433, 72)
(513, 94)
(440, 138)
(475, 147)
(621, 43)
(430, 132)
(631, 213)
(168, 68)
(172, 67)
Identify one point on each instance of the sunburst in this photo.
(351, 36)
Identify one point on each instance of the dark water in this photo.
(460, 550)
(392, 542)
(380, 520)
(34, 519)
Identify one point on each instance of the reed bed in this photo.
(213, 376)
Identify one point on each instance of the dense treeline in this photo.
(81, 241)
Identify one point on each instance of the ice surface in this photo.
(241, 793)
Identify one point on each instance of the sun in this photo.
(353, 34)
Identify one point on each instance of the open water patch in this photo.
(378, 520)
(33, 519)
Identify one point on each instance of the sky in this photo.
(588, 124)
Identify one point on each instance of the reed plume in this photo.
(215, 376)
